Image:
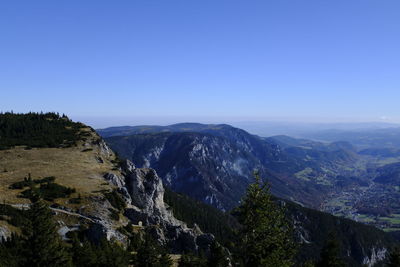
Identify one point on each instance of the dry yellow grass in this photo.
(175, 259)
(11, 228)
(72, 167)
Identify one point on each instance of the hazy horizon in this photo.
(211, 61)
(271, 127)
(114, 121)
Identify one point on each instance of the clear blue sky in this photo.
(198, 59)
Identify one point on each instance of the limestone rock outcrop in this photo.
(147, 207)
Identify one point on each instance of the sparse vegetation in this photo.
(191, 260)
(114, 214)
(27, 182)
(47, 189)
(71, 168)
(13, 216)
(117, 161)
(40, 245)
(115, 200)
(76, 200)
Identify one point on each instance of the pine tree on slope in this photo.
(44, 245)
(394, 258)
(266, 236)
(330, 253)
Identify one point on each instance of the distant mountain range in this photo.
(353, 174)
(304, 129)
(214, 163)
(363, 139)
(93, 194)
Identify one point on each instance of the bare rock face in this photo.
(105, 150)
(98, 216)
(103, 229)
(143, 192)
(114, 179)
(377, 255)
(119, 181)
(147, 193)
(147, 206)
(4, 233)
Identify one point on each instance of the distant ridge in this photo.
(219, 159)
(145, 129)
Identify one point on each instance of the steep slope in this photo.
(361, 245)
(87, 186)
(187, 162)
(389, 174)
(214, 163)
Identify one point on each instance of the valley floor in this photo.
(376, 204)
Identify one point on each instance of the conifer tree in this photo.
(266, 237)
(218, 257)
(111, 254)
(190, 260)
(134, 242)
(394, 258)
(44, 246)
(83, 253)
(147, 253)
(12, 252)
(106, 253)
(330, 253)
(165, 260)
(308, 263)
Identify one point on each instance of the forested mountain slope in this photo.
(218, 159)
(86, 185)
(94, 194)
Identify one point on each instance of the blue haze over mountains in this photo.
(356, 164)
(307, 129)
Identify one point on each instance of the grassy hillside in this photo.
(81, 166)
(77, 169)
(72, 167)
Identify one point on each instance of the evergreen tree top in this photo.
(266, 234)
(37, 130)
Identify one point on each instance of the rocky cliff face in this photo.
(143, 192)
(4, 233)
(206, 167)
(376, 255)
(214, 164)
(94, 171)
